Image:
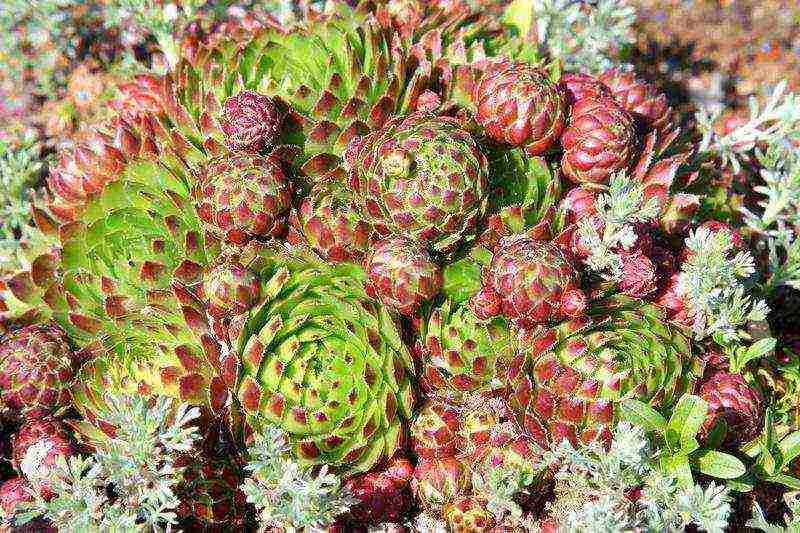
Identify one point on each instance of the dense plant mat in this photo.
(420, 266)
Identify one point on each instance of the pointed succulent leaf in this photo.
(461, 279)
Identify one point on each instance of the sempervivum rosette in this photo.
(599, 139)
(567, 381)
(468, 515)
(440, 476)
(460, 447)
(530, 282)
(244, 196)
(462, 353)
(577, 86)
(435, 431)
(48, 432)
(44, 430)
(735, 403)
(325, 363)
(517, 104)
(640, 98)
(85, 171)
(439, 481)
(230, 289)
(210, 492)
(36, 370)
(15, 493)
(119, 291)
(139, 97)
(639, 275)
(251, 121)
(329, 221)
(340, 75)
(382, 495)
(422, 177)
(495, 442)
(401, 274)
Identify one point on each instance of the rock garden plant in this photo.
(408, 266)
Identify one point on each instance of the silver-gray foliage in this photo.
(585, 39)
(127, 484)
(714, 281)
(593, 487)
(286, 494)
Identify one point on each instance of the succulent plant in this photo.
(468, 515)
(323, 361)
(494, 440)
(241, 197)
(638, 97)
(38, 430)
(470, 449)
(83, 173)
(674, 303)
(422, 177)
(265, 231)
(230, 289)
(36, 370)
(251, 121)
(517, 104)
(639, 275)
(128, 281)
(339, 74)
(131, 282)
(440, 481)
(506, 463)
(48, 431)
(579, 203)
(599, 139)
(462, 353)
(577, 86)
(132, 376)
(13, 492)
(567, 381)
(210, 491)
(140, 97)
(332, 225)
(533, 281)
(735, 403)
(436, 429)
(401, 274)
(383, 495)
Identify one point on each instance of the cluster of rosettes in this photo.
(458, 447)
(597, 121)
(279, 239)
(37, 367)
